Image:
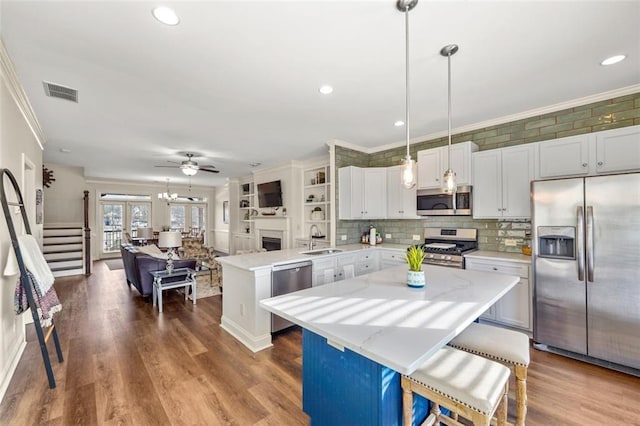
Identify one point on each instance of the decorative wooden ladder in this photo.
(23, 273)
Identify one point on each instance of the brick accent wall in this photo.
(604, 115)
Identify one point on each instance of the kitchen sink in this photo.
(322, 251)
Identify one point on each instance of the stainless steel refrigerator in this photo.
(586, 248)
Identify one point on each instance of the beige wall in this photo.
(221, 229)
(17, 141)
(63, 198)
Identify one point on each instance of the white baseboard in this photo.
(254, 343)
(12, 369)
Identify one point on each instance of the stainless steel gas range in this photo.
(447, 246)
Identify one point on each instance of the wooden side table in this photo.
(160, 283)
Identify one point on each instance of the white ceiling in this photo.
(238, 81)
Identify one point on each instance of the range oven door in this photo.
(433, 202)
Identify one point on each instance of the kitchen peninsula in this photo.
(361, 333)
(247, 281)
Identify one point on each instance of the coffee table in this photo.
(163, 280)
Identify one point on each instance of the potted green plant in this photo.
(415, 274)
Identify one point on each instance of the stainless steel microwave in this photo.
(433, 202)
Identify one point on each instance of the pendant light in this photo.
(408, 169)
(449, 185)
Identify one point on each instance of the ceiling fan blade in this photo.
(171, 167)
(209, 170)
(208, 166)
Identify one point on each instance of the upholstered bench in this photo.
(468, 385)
(508, 347)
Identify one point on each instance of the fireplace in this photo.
(272, 233)
(271, 243)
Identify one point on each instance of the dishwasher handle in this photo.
(295, 265)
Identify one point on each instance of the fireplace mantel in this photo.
(275, 226)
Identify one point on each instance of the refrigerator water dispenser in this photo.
(557, 242)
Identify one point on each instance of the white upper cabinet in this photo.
(362, 192)
(610, 151)
(564, 157)
(618, 150)
(432, 164)
(401, 202)
(502, 180)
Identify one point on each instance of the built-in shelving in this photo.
(316, 203)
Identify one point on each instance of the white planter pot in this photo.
(415, 279)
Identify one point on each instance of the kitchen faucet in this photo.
(311, 234)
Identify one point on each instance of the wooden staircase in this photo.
(63, 250)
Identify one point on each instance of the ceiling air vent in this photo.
(58, 91)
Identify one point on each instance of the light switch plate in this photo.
(387, 236)
(343, 237)
(510, 242)
(416, 238)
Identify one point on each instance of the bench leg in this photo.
(407, 402)
(521, 394)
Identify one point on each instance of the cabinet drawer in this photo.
(366, 257)
(323, 264)
(364, 268)
(498, 267)
(392, 256)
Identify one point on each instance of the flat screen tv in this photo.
(270, 194)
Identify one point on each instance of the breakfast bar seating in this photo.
(508, 347)
(466, 384)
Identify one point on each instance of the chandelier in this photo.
(168, 195)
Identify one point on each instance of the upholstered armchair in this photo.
(193, 248)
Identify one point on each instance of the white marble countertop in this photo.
(499, 255)
(378, 316)
(268, 259)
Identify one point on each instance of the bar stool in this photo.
(468, 385)
(507, 347)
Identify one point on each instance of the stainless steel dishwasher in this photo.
(285, 279)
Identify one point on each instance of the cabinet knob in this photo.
(600, 163)
(437, 180)
(495, 269)
(584, 164)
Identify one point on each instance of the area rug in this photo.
(114, 264)
(206, 291)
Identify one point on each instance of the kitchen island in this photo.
(247, 280)
(361, 333)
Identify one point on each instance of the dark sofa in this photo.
(137, 266)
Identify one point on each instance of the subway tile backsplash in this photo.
(491, 233)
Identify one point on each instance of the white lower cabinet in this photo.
(366, 261)
(334, 268)
(390, 258)
(514, 309)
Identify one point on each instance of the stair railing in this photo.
(87, 236)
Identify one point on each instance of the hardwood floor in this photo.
(127, 364)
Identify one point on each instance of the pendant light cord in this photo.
(449, 112)
(406, 26)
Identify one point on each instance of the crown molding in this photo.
(628, 90)
(8, 72)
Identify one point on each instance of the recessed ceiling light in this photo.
(325, 90)
(165, 15)
(613, 60)
(399, 123)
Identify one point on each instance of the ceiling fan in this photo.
(190, 167)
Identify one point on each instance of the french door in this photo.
(120, 222)
(187, 218)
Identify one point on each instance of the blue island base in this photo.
(345, 388)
